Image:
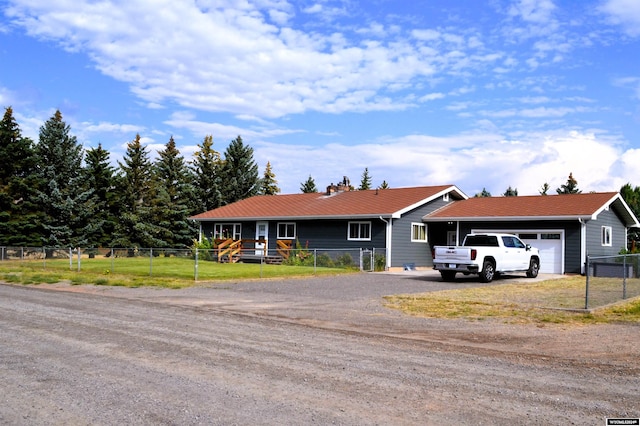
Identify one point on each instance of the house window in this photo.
(445, 197)
(359, 231)
(223, 231)
(286, 231)
(606, 236)
(418, 233)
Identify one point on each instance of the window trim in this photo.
(415, 225)
(286, 237)
(237, 230)
(359, 224)
(606, 236)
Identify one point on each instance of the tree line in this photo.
(54, 193)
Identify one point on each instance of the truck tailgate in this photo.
(452, 254)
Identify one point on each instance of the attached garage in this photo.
(565, 228)
(550, 243)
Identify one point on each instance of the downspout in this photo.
(387, 243)
(583, 245)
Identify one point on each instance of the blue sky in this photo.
(479, 94)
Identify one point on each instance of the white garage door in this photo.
(549, 243)
(550, 246)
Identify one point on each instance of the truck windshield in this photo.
(481, 241)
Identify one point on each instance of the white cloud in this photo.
(625, 13)
(472, 161)
(247, 58)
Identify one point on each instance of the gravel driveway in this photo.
(319, 350)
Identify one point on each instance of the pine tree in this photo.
(511, 192)
(384, 185)
(269, 184)
(482, 194)
(64, 197)
(631, 196)
(239, 174)
(206, 168)
(545, 188)
(308, 186)
(100, 176)
(365, 182)
(175, 198)
(19, 215)
(571, 187)
(135, 189)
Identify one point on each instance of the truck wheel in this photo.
(488, 271)
(534, 268)
(448, 276)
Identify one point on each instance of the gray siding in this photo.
(594, 236)
(403, 250)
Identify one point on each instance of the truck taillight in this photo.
(474, 254)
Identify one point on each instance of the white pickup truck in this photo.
(486, 255)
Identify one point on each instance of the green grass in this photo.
(172, 272)
(552, 302)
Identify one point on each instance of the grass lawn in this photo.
(173, 272)
(553, 301)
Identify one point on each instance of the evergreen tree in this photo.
(135, 188)
(631, 196)
(308, 186)
(175, 198)
(19, 215)
(65, 199)
(269, 184)
(206, 168)
(365, 182)
(239, 174)
(100, 176)
(482, 194)
(571, 187)
(545, 188)
(511, 192)
(384, 185)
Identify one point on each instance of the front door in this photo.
(452, 238)
(262, 232)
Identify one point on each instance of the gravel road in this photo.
(317, 350)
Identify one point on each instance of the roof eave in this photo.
(505, 218)
(283, 218)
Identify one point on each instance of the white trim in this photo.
(424, 230)
(359, 222)
(286, 237)
(606, 236)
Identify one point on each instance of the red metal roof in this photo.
(534, 207)
(351, 204)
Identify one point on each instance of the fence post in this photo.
(112, 259)
(44, 258)
(195, 268)
(262, 259)
(151, 262)
(315, 261)
(70, 258)
(586, 296)
(624, 276)
(79, 254)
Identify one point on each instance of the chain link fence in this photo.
(610, 279)
(197, 264)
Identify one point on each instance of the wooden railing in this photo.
(283, 247)
(229, 248)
